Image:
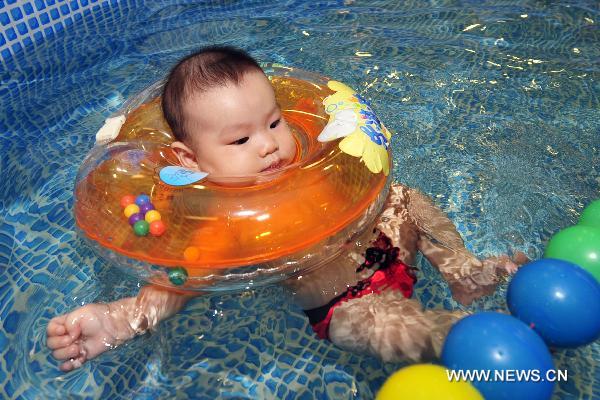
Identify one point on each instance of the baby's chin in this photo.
(250, 179)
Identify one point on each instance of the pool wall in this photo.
(29, 23)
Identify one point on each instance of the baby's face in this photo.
(237, 129)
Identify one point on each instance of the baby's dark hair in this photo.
(207, 68)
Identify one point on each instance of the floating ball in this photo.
(152, 216)
(191, 253)
(127, 200)
(425, 382)
(135, 218)
(499, 343)
(157, 228)
(131, 209)
(141, 228)
(559, 299)
(178, 276)
(579, 244)
(142, 199)
(144, 208)
(591, 215)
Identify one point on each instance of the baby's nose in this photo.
(268, 145)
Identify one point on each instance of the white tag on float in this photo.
(110, 129)
(344, 122)
(180, 176)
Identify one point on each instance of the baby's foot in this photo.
(465, 292)
(505, 265)
(484, 279)
(89, 331)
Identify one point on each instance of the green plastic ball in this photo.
(591, 215)
(579, 244)
(178, 276)
(141, 228)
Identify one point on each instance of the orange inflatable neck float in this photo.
(179, 228)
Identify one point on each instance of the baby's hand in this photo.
(87, 332)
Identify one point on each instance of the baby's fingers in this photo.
(73, 330)
(56, 326)
(72, 364)
(57, 342)
(64, 353)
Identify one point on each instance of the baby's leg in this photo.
(391, 327)
(93, 329)
(468, 277)
(441, 244)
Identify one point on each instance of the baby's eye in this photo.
(274, 124)
(241, 141)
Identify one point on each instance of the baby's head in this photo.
(223, 113)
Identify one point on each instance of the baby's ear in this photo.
(185, 155)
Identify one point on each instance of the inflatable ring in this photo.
(216, 236)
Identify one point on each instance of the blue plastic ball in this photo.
(503, 345)
(142, 199)
(560, 299)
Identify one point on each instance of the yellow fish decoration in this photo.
(351, 118)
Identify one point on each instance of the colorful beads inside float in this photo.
(142, 216)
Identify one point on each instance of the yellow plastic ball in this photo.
(426, 382)
(152, 216)
(131, 209)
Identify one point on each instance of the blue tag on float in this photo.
(179, 176)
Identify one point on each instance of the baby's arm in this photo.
(468, 277)
(91, 330)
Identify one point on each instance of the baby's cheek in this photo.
(290, 146)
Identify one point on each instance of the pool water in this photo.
(496, 113)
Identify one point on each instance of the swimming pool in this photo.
(496, 110)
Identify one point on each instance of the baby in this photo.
(222, 110)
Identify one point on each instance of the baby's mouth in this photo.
(274, 166)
